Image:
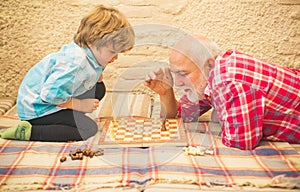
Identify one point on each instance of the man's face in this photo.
(104, 55)
(188, 76)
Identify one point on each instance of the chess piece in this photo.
(63, 159)
(163, 125)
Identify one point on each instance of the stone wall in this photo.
(31, 29)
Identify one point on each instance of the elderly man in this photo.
(253, 99)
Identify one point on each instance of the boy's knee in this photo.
(90, 131)
(94, 130)
(100, 91)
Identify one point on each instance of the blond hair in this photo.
(104, 26)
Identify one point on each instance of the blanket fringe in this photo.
(280, 181)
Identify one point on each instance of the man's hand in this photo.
(160, 81)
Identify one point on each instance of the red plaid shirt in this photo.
(255, 100)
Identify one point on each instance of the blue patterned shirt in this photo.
(58, 77)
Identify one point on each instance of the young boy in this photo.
(57, 92)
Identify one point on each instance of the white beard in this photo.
(192, 95)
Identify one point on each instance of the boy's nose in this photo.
(115, 57)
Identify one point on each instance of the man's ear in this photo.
(210, 63)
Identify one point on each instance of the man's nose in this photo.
(179, 81)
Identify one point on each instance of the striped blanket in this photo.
(37, 165)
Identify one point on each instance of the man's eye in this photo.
(180, 73)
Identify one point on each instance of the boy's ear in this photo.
(90, 45)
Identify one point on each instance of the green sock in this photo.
(21, 132)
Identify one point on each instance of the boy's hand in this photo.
(160, 81)
(83, 105)
(100, 79)
(88, 105)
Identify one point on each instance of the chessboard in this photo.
(142, 132)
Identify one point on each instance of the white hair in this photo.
(198, 49)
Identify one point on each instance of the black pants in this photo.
(67, 125)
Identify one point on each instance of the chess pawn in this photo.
(163, 125)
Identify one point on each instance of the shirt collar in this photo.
(207, 91)
(92, 59)
(207, 94)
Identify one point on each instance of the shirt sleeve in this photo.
(240, 109)
(189, 111)
(61, 83)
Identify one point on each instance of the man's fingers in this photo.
(158, 71)
(148, 82)
(151, 75)
(148, 78)
(168, 73)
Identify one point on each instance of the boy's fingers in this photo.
(100, 79)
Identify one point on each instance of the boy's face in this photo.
(188, 76)
(104, 55)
